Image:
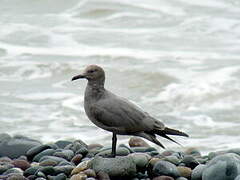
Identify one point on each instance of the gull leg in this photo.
(114, 144)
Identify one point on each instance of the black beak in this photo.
(80, 76)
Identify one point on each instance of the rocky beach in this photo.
(25, 158)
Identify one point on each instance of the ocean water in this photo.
(179, 60)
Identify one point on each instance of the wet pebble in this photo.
(226, 166)
(116, 167)
(22, 164)
(163, 178)
(77, 159)
(184, 171)
(190, 161)
(165, 168)
(137, 142)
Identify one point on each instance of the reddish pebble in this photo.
(22, 164)
(77, 159)
(137, 142)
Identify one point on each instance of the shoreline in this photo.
(25, 158)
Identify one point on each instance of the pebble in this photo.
(226, 166)
(62, 143)
(184, 171)
(163, 178)
(60, 176)
(197, 172)
(172, 159)
(22, 164)
(103, 176)
(165, 168)
(190, 161)
(67, 169)
(46, 152)
(90, 173)
(16, 177)
(119, 166)
(81, 167)
(36, 150)
(76, 146)
(140, 159)
(77, 159)
(80, 176)
(66, 154)
(137, 142)
(119, 152)
(16, 146)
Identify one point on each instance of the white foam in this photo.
(45, 96)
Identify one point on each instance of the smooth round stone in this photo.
(212, 155)
(124, 146)
(36, 150)
(81, 167)
(22, 164)
(103, 176)
(5, 167)
(94, 146)
(172, 159)
(16, 177)
(163, 178)
(48, 162)
(76, 145)
(17, 146)
(143, 149)
(40, 178)
(115, 167)
(62, 143)
(119, 152)
(226, 166)
(64, 169)
(165, 168)
(193, 151)
(137, 142)
(13, 170)
(47, 170)
(237, 178)
(60, 176)
(197, 172)
(80, 176)
(235, 150)
(54, 158)
(5, 160)
(46, 152)
(77, 159)
(184, 171)
(190, 161)
(66, 154)
(141, 159)
(90, 173)
(31, 171)
(40, 174)
(167, 153)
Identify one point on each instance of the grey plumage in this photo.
(118, 115)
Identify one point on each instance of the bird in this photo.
(117, 114)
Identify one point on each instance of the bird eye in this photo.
(92, 71)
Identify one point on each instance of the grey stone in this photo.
(54, 158)
(197, 172)
(17, 146)
(119, 166)
(62, 143)
(237, 178)
(165, 168)
(190, 161)
(46, 152)
(64, 169)
(181, 178)
(31, 171)
(13, 170)
(226, 166)
(36, 150)
(121, 151)
(66, 154)
(76, 146)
